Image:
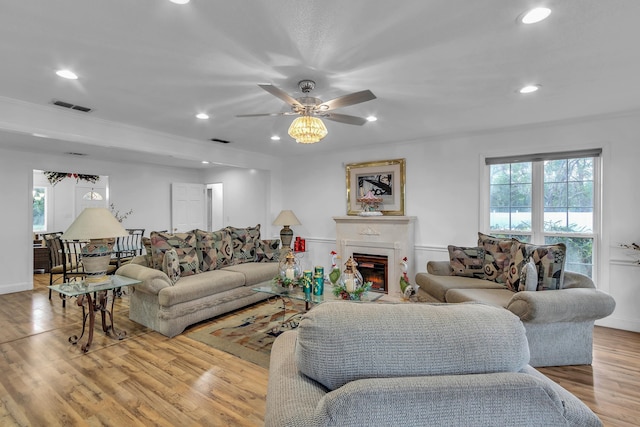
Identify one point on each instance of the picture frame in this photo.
(385, 178)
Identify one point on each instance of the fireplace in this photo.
(390, 237)
(374, 269)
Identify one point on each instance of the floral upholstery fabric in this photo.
(496, 258)
(466, 262)
(215, 249)
(171, 265)
(184, 245)
(268, 250)
(244, 242)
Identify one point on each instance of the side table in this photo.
(83, 291)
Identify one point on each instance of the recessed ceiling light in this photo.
(535, 15)
(202, 116)
(372, 118)
(204, 162)
(275, 138)
(529, 88)
(180, 1)
(40, 135)
(67, 74)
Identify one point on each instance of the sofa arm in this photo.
(565, 305)
(439, 268)
(152, 280)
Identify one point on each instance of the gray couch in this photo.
(558, 323)
(351, 364)
(169, 308)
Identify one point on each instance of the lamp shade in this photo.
(307, 130)
(286, 217)
(94, 223)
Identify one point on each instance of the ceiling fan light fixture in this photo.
(307, 130)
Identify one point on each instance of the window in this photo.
(547, 199)
(39, 209)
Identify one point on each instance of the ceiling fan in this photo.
(309, 128)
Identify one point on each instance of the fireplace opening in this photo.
(374, 269)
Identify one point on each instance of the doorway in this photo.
(215, 216)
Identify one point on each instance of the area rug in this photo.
(249, 332)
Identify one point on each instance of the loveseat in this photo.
(558, 308)
(362, 364)
(190, 277)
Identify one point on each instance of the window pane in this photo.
(580, 169)
(510, 197)
(555, 195)
(39, 209)
(555, 171)
(579, 253)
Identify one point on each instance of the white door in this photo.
(187, 207)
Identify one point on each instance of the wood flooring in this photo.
(147, 379)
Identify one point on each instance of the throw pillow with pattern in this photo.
(520, 255)
(466, 261)
(171, 265)
(529, 277)
(214, 249)
(244, 243)
(268, 250)
(184, 245)
(497, 256)
(550, 260)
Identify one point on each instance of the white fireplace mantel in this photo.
(391, 236)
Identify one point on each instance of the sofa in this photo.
(190, 277)
(558, 311)
(363, 364)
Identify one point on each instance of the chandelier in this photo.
(307, 130)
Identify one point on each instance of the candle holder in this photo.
(350, 286)
(289, 272)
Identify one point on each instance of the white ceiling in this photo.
(437, 67)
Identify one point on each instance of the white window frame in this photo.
(537, 202)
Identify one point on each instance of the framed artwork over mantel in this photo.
(384, 178)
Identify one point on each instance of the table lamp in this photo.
(286, 218)
(99, 227)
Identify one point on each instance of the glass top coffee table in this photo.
(83, 291)
(297, 294)
(309, 299)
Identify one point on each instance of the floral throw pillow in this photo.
(268, 250)
(466, 261)
(497, 256)
(171, 265)
(184, 245)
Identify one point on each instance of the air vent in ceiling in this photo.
(72, 153)
(221, 141)
(71, 106)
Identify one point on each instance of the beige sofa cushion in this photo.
(497, 297)
(255, 272)
(200, 285)
(437, 286)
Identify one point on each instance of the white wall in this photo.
(246, 197)
(443, 187)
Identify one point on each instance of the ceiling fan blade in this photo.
(281, 94)
(262, 115)
(346, 100)
(344, 118)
